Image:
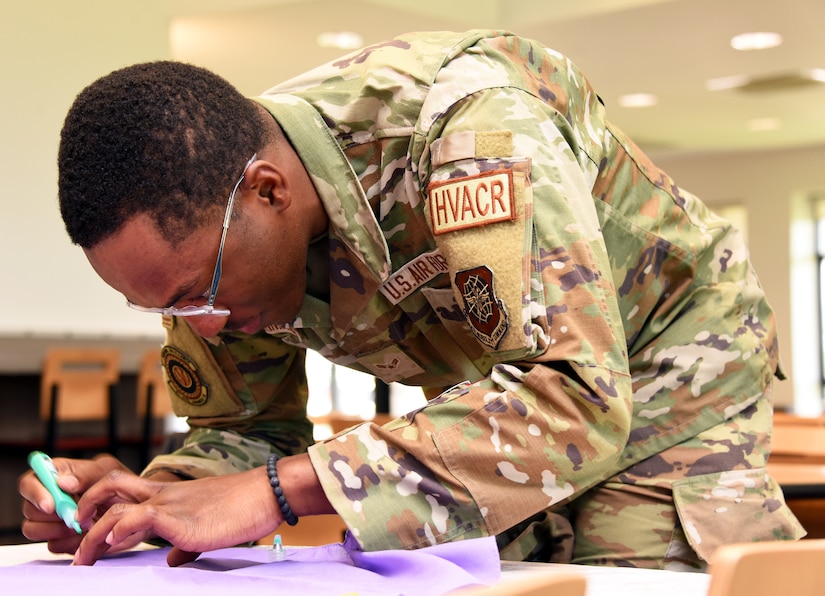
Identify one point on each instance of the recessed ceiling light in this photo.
(771, 83)
(638, 100)
(817, 74)
(722, 83)
(341, 40)
(758, 40)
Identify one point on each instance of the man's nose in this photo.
(207, 325)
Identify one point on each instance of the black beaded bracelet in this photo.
(272, 471)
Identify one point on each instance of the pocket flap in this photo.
(736, 506)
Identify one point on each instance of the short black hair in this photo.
(164, 138)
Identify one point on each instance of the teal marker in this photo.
(64, 505)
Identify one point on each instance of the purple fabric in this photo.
(333, 569)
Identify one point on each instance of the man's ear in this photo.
(269, 183)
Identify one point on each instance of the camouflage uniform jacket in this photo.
(487, 225)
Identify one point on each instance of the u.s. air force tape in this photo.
(183, 376)
(413, 275)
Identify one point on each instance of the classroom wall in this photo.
(49, 50)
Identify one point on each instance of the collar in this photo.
(341, 193)
(353, 227)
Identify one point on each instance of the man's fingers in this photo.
(35, 513)
(89, 552)
(178, 557)
(98, 539)
(117, 487)
(123, 526)
(75, 475)
(33, 491)
(46, 530)
(66, 545)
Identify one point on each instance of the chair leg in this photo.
(146, 443)
(382, 397)
(51, 423)
(113, 415)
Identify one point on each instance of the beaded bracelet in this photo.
(272, 471)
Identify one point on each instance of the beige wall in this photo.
(49, 50)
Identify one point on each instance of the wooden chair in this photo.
(797, 462)
(798, 439)
(79, 385)
(335, 422)
(769, 569)
(153, 403)
(548, 584)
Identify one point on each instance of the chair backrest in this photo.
(335, 422)
(81, 379)
(542, 584)
(312, 530)
(769, 569)
(798, 439)
(150, 380)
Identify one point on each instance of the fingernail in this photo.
(69, 483)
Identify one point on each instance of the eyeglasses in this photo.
(192, 310)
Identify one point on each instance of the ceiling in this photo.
(666, 47)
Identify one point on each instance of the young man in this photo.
(445, 210)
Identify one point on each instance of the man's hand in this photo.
(195, 516)
(75, 476)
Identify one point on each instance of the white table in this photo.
(618, 581)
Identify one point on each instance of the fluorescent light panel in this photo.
(638, 100)
(341, 40)
(755, 40)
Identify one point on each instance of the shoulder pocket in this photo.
(480, 213)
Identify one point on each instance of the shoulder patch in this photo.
(414, 274)
(183, 376)
(471, 201)
(484, 311)
(390, 364)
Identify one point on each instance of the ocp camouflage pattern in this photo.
(621, 343)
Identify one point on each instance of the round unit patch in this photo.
(183, 376)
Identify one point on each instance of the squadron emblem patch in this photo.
(183, 376)
(484, 311)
